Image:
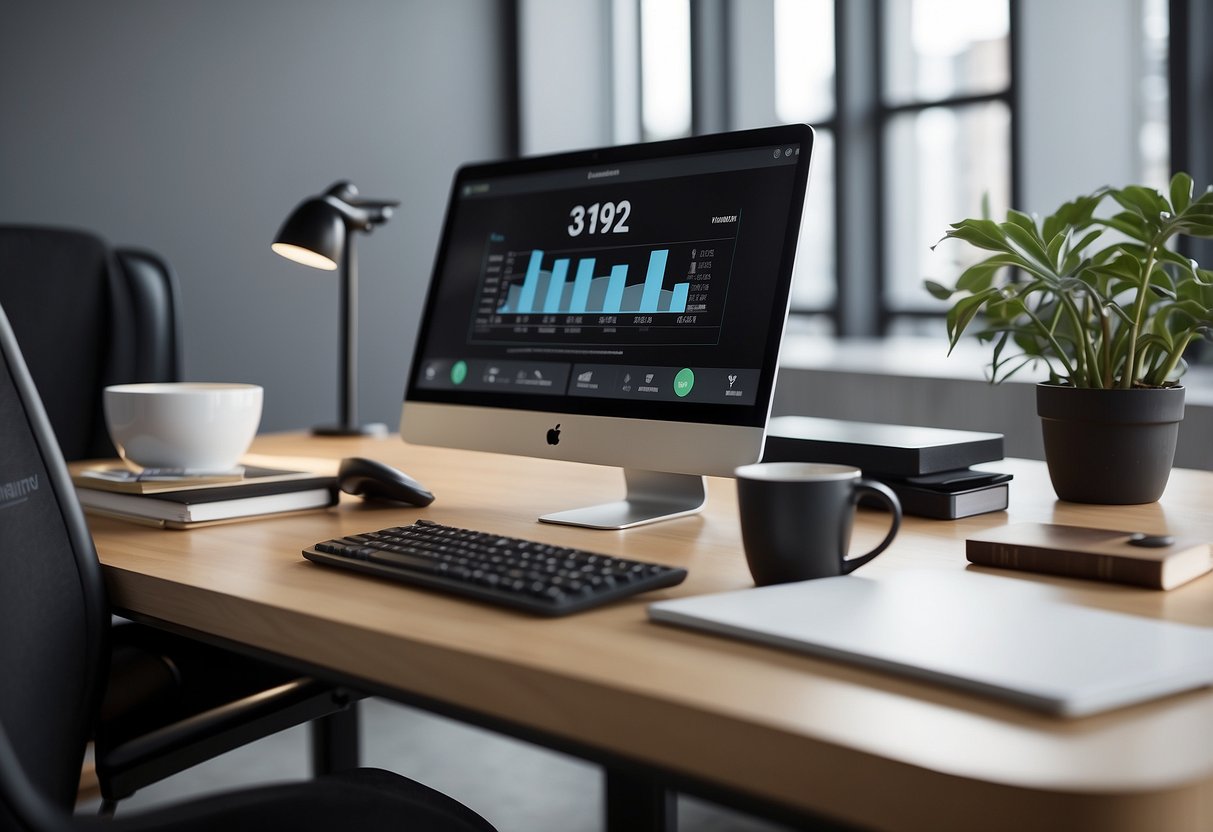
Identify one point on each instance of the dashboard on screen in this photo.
(645, 282)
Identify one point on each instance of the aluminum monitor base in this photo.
(651, 496)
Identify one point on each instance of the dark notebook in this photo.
(893, 450)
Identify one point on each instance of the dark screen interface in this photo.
(645, 289)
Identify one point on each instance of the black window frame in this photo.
(861, 121)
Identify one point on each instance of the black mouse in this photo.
(376, 481)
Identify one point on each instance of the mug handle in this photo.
(885, 494)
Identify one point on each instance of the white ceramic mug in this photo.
(188, 425)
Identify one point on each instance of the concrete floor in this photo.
(517, 786)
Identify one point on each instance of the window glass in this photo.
(1155, 133)
(813, 282)
(804, 60)
(665, 60)
(940, 164)
(938, 49)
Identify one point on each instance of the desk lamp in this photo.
(320, 233)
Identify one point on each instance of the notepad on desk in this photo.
(1013, 640)
(262, 491)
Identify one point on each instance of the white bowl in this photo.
(183, 424)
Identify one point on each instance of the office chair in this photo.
(54, 651)
(86, 317)
(156, 308)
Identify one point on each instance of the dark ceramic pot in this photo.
(1109, 446)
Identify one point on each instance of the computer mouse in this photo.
(374, 480)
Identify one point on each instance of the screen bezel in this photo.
(754, 415)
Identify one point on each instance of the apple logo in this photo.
(554, 435)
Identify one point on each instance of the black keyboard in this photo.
(523, 574)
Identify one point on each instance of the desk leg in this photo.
(637, 804)
(335, 741)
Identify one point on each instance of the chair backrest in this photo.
(86, 317)
(64, 300)
(155, 304)
(54, 619)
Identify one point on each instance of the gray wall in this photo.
(193, 128)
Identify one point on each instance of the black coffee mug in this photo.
(796, 519)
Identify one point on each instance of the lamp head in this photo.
(315, 232)
(313, 235)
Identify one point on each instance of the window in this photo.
(804, 92)
(941, 112)
(944, 122)
(665, 69)
(917, 108)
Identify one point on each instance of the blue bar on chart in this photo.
(560, 269)
(678, 303)
(615, 286)
(581, 286)
(526, 300)
(653, 279)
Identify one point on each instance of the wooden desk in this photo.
(814, 736)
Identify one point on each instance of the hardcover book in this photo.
(894, 450)
(1154, 561)
(273, 493)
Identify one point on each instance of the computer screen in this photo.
(621, 306)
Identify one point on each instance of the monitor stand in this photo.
(651, 496)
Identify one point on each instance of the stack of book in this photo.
(182, 501)
(928, 468)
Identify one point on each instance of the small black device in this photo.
(880, 450)
(374, 480)
(507, 571)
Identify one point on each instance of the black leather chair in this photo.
(85, 317)
(156, 312)
(54, 652)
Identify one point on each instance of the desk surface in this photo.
(867, 748)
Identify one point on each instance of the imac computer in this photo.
(621, 306)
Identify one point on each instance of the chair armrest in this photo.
(126, 766)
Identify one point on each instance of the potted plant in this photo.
(1109, 310)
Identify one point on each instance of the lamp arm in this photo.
(358, 213)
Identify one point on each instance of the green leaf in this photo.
(1119, 311)
(1025, 360)
(985, 234)
(1128, 224)
(1144, 201)
(1128, 268)
(962, 314)
(1025, 222)
(1059, 241)
(937, 290)
(1028, 241)
(1076, 214)
(979, 276)
(1195, 290)
(1194, 227)
(1181, 192)
(976, 278)
(998, 348)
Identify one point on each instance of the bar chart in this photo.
(549, 291)
(663, 292)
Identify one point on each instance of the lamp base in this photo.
(375, 429)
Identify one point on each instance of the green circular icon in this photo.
(459, 371)
(683, 382)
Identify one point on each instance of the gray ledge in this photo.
(913, 381)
